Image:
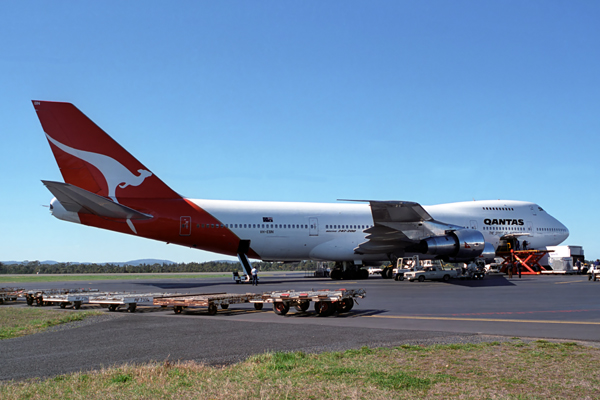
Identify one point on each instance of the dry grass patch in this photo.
(512, 370)
(21, 321)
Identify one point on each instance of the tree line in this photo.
(35, 267)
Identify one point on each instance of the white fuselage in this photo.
(331, 231)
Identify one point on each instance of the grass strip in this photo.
(21, 321)
(102, 277)
(511, 370)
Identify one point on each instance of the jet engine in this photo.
(455, 246)
(489, 253)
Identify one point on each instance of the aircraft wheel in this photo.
(336, 274)
(363, 273)
(421, 278)
(349, 275)
(345, 305)
(324, 308)
(258, 306)
(281, 308)
(224, 306)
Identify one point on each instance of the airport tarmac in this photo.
(393, 313)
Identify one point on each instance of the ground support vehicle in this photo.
(529, 259)
(403, 265)
(431, 273)
(399, 273)
(113, 301)
(36, 296)
(593, 273)
(472, 271)
(9, 294)
(326, 302)
(210, 300)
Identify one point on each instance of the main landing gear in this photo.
(348, 270)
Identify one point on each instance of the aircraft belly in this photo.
(281, 248)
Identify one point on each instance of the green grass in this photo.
(21, 321)
(103, 277)
(511, 370)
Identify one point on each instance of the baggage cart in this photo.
(211, 301)
(326, 301)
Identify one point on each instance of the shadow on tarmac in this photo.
(199, 284)
(488, 281)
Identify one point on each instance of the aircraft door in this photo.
(473, 224)
(185, 226)
(313, 225)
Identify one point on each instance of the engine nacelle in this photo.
(459, 245)
(489, 254)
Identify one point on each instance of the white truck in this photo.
(431, 273)
(593, 273)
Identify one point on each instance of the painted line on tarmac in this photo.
(527, 321)
(337, 283)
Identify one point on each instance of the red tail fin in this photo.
(90, 159)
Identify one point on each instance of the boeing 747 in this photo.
(106, 187)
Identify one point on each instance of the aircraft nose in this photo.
(565, 230)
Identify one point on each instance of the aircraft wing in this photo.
(398, 225)
(79, 200)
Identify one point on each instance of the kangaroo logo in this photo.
(113, 171)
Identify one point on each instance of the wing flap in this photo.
(79, 200)
(397, 225)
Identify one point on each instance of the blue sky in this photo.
(431, 101)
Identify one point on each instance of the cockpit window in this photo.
(541, 209)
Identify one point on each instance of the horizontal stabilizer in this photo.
(78, 200)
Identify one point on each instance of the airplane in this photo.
(106, 187)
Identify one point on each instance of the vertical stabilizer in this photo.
(90, 159)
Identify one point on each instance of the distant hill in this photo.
(148, 261)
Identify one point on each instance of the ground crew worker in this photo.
(254, 273)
